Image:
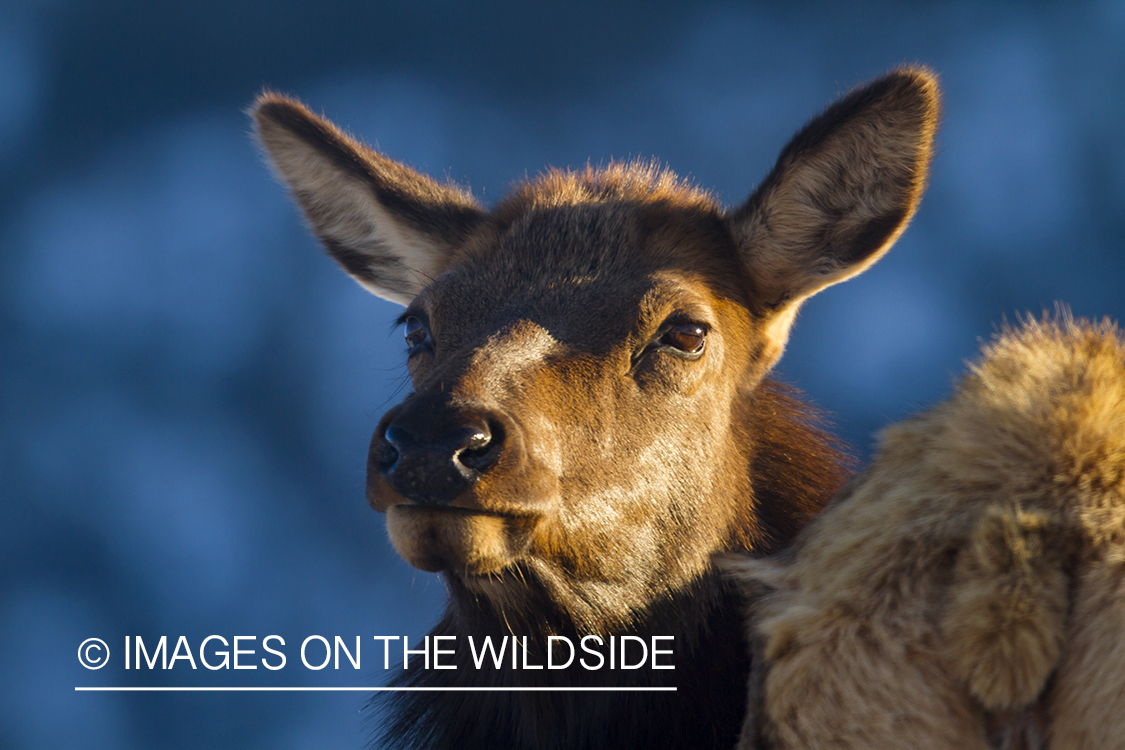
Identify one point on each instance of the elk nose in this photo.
(434, 467)
(471, 448)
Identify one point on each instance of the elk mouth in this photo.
(443, 538)
(461, 492)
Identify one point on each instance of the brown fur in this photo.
(968, 591)
(566, 461)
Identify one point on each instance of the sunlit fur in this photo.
(618, 467)
(968, 590)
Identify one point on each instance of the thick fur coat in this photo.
(968, 590)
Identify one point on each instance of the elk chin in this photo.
(455, 540)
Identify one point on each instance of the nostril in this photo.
(474, 455)
(393, 440)
(389, 458)
(480, 450)
(476, 443)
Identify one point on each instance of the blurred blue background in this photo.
(188, 385)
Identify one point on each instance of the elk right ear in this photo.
(841, 193)
(393, 229)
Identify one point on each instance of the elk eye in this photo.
(686, 338)
(416, 334)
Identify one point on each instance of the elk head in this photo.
(585, 355)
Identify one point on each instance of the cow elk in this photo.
(591, 420)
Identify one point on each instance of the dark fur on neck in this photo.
(795, 468)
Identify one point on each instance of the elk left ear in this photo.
(841, 193)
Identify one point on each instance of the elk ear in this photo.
(391, 228)
(841, 193)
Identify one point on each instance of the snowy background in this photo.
(188, 385)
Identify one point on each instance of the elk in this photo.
(591, 420)
(968, 590)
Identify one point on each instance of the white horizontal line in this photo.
(375, 689)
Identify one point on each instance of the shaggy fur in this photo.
(968, 590)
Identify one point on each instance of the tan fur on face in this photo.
(972, 582)
(475, 543)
